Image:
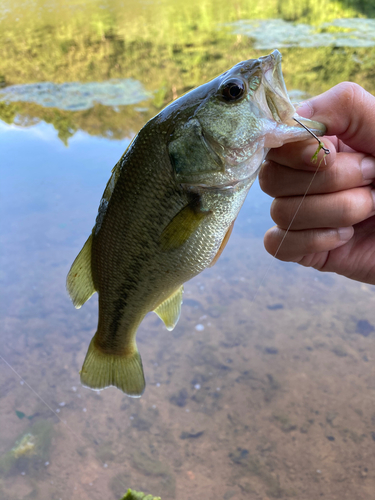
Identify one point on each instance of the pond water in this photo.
(266, 387)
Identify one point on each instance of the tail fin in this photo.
(102, 370)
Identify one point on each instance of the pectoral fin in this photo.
(169, 311)
(223, 245)
(79, 281)
(182, 226)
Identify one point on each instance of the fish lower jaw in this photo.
(207, 187)
(231, 184)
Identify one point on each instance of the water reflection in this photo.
(265, 389)
(74, 96)
(279, 33)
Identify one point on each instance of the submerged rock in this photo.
(180, 399)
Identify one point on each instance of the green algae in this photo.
(30, 451)
(138, 495)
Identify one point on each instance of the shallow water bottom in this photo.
(265, 389)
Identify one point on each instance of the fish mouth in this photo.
(281, 108)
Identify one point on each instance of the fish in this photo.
(169, 207)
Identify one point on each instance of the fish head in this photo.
(224, 129)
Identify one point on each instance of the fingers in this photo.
(347, 171)
(296, 246)
(298, 155)
(348, 111)
(328, 223)
(334, 210)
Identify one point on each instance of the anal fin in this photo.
(169, 311)
(79, 282)
(223, 244)
(123, 371)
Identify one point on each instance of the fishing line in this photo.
(40, 397)
(326, 152)
(51, 409)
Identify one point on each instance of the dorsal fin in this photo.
(79, 281)
(169, 311)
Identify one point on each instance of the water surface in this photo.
(265, 389)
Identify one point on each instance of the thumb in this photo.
(348, 111)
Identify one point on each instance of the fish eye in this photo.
(233, 89)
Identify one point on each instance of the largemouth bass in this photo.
(170, 205)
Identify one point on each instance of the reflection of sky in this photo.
(44, 166)
(75, 96)
(272, 33)
(36, 165)
(49, 196)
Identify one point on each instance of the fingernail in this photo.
(305, 109)
(345, 233)
(368, 168)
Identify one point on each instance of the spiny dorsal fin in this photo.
(182, 226)
(223, 244)
(169, 311)
(123, 371)
(79, 281)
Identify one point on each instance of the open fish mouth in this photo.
(277, 97)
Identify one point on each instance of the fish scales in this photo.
(142, 273)
(169, 207)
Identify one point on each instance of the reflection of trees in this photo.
(365, 7)
(169, 47)
(99, 121)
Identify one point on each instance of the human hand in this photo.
(334, 227)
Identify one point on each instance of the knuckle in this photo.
(347, 210)
(355, 206)
(281, 211)
(310, 244)
(348, 93)
(275, 211)
(351, 97)
(266, 178)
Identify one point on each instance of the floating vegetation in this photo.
(102, 57)
(270, 33)
(76, 96)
